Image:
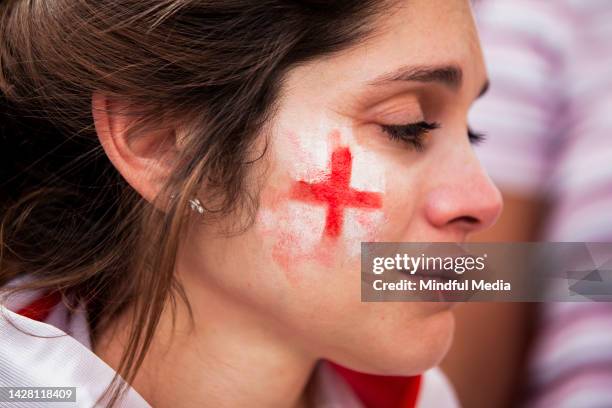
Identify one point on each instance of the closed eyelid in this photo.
(399, 109)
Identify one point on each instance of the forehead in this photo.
(406, 33)
(424, 32)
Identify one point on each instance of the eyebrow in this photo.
(450, 76)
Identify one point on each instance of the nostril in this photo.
(466, 219)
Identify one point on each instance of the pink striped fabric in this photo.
(549, 121)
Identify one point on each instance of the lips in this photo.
(442, 274)
(448, 286)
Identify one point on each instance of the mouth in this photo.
(445, 286)
(442, 275)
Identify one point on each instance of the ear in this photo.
(144, 160)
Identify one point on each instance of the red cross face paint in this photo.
(332, 201)
(335, 192)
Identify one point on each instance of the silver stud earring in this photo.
(196, 205)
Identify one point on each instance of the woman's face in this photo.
(350, 159)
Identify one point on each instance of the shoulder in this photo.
(40, 354)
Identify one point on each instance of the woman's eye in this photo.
(412, 134)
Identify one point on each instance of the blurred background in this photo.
(548, 118)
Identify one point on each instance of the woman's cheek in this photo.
(330, 200)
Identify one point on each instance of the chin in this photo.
(414, 351)
(437, 344)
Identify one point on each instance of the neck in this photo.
(229, 357)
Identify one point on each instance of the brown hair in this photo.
(69, 220)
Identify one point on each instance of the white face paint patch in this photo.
(367, 174)
(304, 222)
(361, 226)
(309, 157)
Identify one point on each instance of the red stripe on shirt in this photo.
(40, 308)
(377, 391)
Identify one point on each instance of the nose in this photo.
(466, 200)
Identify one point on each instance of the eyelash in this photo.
(414, 133)
(476, 138)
